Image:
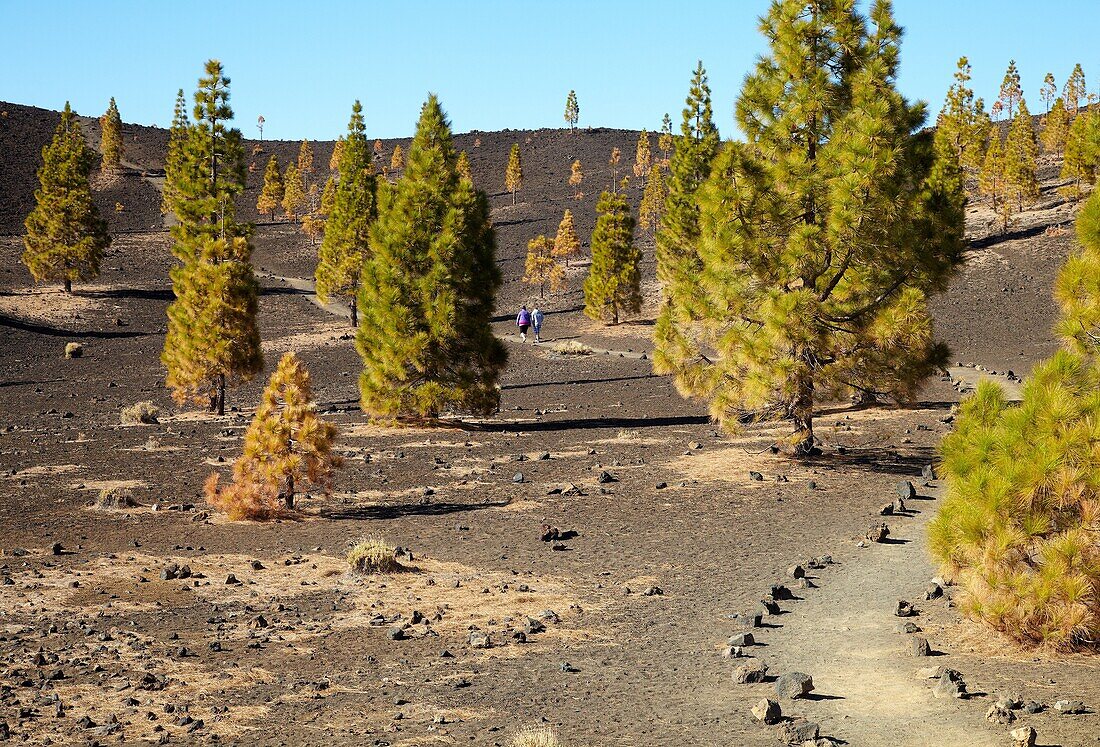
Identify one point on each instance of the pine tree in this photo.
(337, 154)
(294, 192)
(328, 197)
(572, 111)
(428, 288)
(1049, 90)
(110, 139)
(566, 242)
(664, 142)
(678, 262)
(613, 161)
(1075, 89)
(463, 166)
(1079, 161)
(826, 229)
(576, 176)
(991, 179)
(541, 267)
(963, 124)
(177, 136)
(1011, 91)
(1055, 128)
(513, 175)
(305, 160)
(212, 340)
(653, 200)
(643, 157)
(347, 235)
(272, 193)
(65, 237)
(313, 226)
(286, 445)
(397, 161)
(1021, 155)
(612, 286)
(1017, 530)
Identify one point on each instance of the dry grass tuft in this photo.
(140, 412)
(372, 555)
(536, 736)
(571, 347)
(114, 498)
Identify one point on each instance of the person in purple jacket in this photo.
(523, 321)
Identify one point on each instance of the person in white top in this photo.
(536, 323)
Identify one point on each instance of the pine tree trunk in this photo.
(221, 394)
(288, 495)
(802, 413)
(513, 197)
(354, 312)
(68, 285)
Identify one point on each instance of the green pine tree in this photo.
(826, 229)
(643, 156)
(572, 111)
(1021, 156)
(992, 181)
(1075, 89)
(294, 192)
(664, 142)
(347, 235)
(653, 200)
(1079, 161)
(110, 139)
(1055, 128)
(305, 160)
(328, 197)
(612, 286)
(1011, 90)
(272, 193)
(513, 175)
(173, 160)
(213, 340)
(428, 288)
(65, 237)
(678, 263)
(1048, 91)
(963, 123)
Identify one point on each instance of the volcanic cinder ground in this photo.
(612, 635)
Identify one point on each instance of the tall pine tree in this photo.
(612, 286)
(1079, 162)
(1011, 90)
(824, 232)
(653, 200)
(1021, 155)
(1048, 91)
(173, 159)
(294, 192)
(963, 124)
(1055, 128)
(272, 193)
(513, 174)
(428, 288)
(643, 156)
(566, 243)
(110, 139)
(1075, 89)
(347, 235)
(572, 111)
(678, 263)
(65, 237)
(213, 340)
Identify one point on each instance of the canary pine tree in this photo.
(110, 139)
(566, 243)
(397, 160)
(612, 286)
(664, 142)
(653, 200)
(1075, 89)
(305, 160)
(328, 197)
(347, 235)
(428, 288)
(963, 123)
(1055, 128)
(1079, 160)
(1021, 154)
(1011, 90)
(992, 181)
(294, 192)
(572, 111)
(272, 193)
(513, 174)
(576, 176)
(678, 263)
(643, 156)
(1017, 527)
(337, 154)
(1048, 91)
(287, 444)
(541, 267)
(826, 229)
(463, 166)
(212, 340)
(65, 237)
(173, 159)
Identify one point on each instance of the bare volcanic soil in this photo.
(162, 621)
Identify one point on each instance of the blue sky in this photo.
(495, 64)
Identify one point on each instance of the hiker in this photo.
(536, 322)
(523, 321)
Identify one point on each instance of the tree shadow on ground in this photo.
(883, 460)
(572, 382)
(591, 423)
(44, 329)
(400, 511)
(148, 294)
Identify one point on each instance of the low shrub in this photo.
(140, 412)
(372, 555)
(115, 498)
(572, 347)
(536, 736)
(74, 350)
(243, 498)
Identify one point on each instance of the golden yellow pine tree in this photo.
(463, 166)
(643, 156)
(566, 243)
(513, 175)
(397, 161)
(337, 153)
(286, 444)
(294, 194)
(576, 176)
(542, 268)
(272, 193)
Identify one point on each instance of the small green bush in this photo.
(372, 555)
